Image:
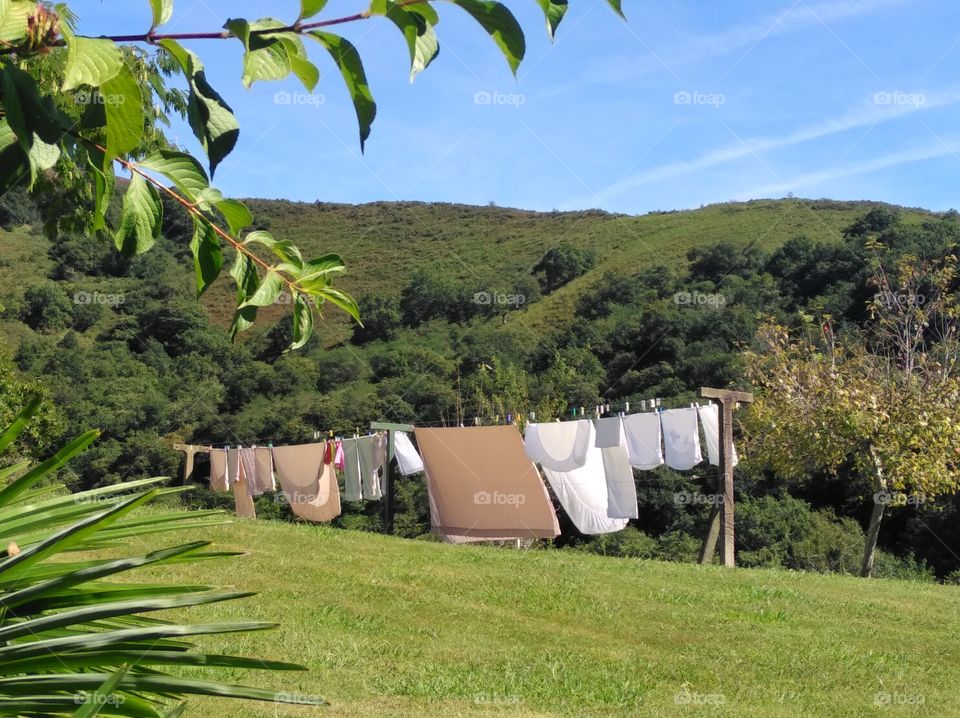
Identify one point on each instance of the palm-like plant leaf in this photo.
(72, 641)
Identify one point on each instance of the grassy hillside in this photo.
(392, 627)
(383, 243)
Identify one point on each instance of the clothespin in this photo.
(509, 418)
(476, 421)
(581, 411)
(533, 416)
(626, 407)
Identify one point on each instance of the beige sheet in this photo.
(483, 486)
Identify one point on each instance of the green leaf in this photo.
(244, 273)
(342, 300)
(104, 182)
(90, 61)
(309, 8)
(300, 65)
(211, 118)
(265, 56)
(34, 120)
(13, 162)
(207, 254)
(180, 168)
(351, 67)
(140, 218)
(283, 249)
(501, 25)
(267, 293)
(302, 322)
(19, 423)
(553, 11)
(416, 23)
(616, 5)
(236, 214)
(320, 269)
(99, 698)
(123, 108)
(162, 12)
(14, 18)
(41, 470)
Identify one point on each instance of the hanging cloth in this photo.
(372, 454)
(352, 486)
(621, 488)
(242, 499)
(583, 494)
(308, 482)
(218, 470)
(642, 432)
(681, 438)
(338, 457)
(408, 460)
(609, 433)
(264, 479)
(298, 469)
(560, 445)
(710, 421)
(482, 486)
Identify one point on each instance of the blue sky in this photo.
(687, 103)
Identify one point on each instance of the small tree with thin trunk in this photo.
(883, 402)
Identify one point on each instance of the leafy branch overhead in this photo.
(98, 111)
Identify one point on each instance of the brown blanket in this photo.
(483, 486)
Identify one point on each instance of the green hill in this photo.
(383, 243)
(392, 627)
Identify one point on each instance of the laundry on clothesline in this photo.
(584, 496)
(364, 458)
(621, 486)
(681, 438)
(308, 481)
(408, 460)
(219, 480)
(559, 445)
(644, 440)
(710, 421)
(482, 486)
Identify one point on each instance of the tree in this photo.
(563, 264)
(46, 308)
(381, 319)
(883, 401)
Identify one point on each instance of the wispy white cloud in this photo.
(741, 38)
(864, 115)
(805, 184)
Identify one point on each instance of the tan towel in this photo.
(218, 470)
(482, 485)
(264, 481)
(242, 498)
(298, 470)
(309, 484)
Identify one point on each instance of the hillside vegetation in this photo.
(469, 312)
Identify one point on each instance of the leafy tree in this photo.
(563, 264)
(883, 403)
(46, 307)
(876, 221)
(381, 319)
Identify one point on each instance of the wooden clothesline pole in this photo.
(190, 451)
(722, 516)
(387, 474)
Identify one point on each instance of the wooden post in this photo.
(189, 451)
(387, 473)
(726, 399)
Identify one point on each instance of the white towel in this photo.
(642, 433)
(583, 494)
(710, 421)
(560, 445)
(408, 459)
(681, 438)
(610, 433)
(621, 488)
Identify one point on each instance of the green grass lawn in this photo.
(393, 627)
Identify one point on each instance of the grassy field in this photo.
(392, 627)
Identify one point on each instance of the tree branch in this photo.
(152, 37)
